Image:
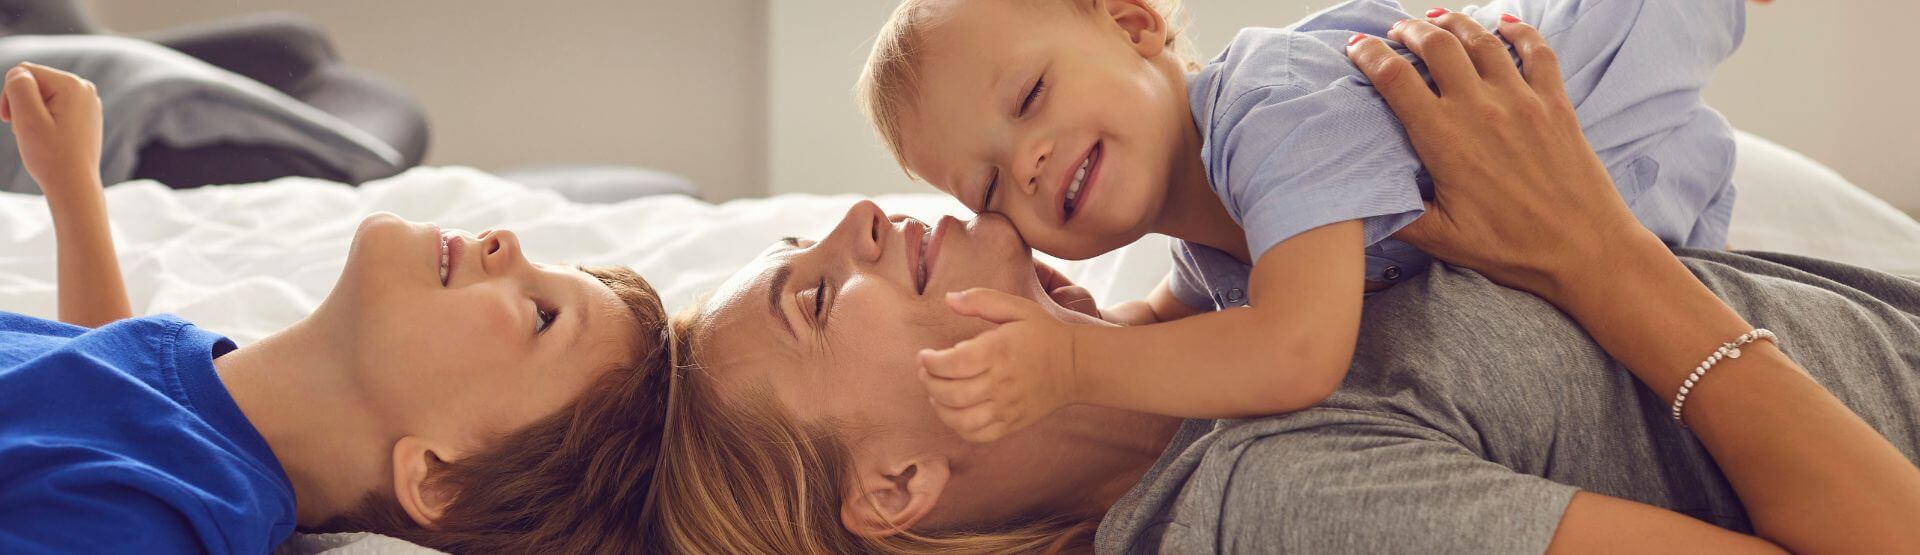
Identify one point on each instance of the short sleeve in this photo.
(1289, 159)
(1185, 280)
(1356, 482)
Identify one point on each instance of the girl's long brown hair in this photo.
(574, 482)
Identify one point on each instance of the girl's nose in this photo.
(500, 249)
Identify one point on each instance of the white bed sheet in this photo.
(246, 260)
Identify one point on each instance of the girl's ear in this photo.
(1141, 24)
(887, 502)
(416, 465)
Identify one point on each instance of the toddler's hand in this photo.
(56, 121)
(1005, 379)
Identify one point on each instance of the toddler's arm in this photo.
(1287, 351)
(55, 117)
(1159, 306)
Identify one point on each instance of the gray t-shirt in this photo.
(1473, 412)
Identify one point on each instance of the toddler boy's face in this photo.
(1052, 117)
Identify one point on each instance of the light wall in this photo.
(669, 84)
(1808, 76)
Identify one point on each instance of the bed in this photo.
(246, 260)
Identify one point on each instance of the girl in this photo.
(411, 402)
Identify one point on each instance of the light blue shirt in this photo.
(1296, 138)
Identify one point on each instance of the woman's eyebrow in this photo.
(781, 274)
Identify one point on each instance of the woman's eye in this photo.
(819, 298)
(1039, 85)
(543, 319)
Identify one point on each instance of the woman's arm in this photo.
(1521, 197)
(56, 121)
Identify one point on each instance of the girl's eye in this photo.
(1039, 85)
(543, 319)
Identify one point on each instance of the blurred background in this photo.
(748, 98)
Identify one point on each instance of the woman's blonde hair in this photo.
(741, 475)
(890, 81)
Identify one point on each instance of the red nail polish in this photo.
(1509, 18)
(1355, 39)
(1436, 12)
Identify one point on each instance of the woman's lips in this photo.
(913, 243)
(932, 246)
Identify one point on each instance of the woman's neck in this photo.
(1191, 210)
(295, 388)
(1079, 461)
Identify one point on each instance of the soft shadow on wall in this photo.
(668, 84)
(1808, 76)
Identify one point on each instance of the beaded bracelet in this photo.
(1729, 350)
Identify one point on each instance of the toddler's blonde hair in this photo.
(890, 80)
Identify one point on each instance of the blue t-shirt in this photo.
(1295, 137)
(122, 439)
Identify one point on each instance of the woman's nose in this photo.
(860, 230)
(500, 250)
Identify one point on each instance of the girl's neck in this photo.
(1192, 211)
(296, 391)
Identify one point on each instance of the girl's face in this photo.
(489, 346)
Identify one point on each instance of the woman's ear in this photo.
(1142, 25)
(889, 501)
(416, 466)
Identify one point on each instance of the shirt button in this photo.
(1392, 273)
(1233, 295)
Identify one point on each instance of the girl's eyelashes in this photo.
(543, 318)
(1039, 85)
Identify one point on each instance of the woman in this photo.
(1476, 417)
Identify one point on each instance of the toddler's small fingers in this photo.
(958, 363)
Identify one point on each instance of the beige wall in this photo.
(754, 96)
(1808, 76)
(671, 84)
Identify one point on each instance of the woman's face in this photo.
(832, 327)
(494, 345)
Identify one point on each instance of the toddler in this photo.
(1277, 168)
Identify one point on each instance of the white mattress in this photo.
(246, 260)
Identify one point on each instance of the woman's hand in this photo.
(56, 122)
(1518, 193)
(1520, 196)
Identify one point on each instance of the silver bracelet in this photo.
(1729, 350)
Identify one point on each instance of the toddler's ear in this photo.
(417, 465)
(1144, 27)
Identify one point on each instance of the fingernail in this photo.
(1355, 39)
(1397, 24)
(1437, 12)
(1509, 18)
